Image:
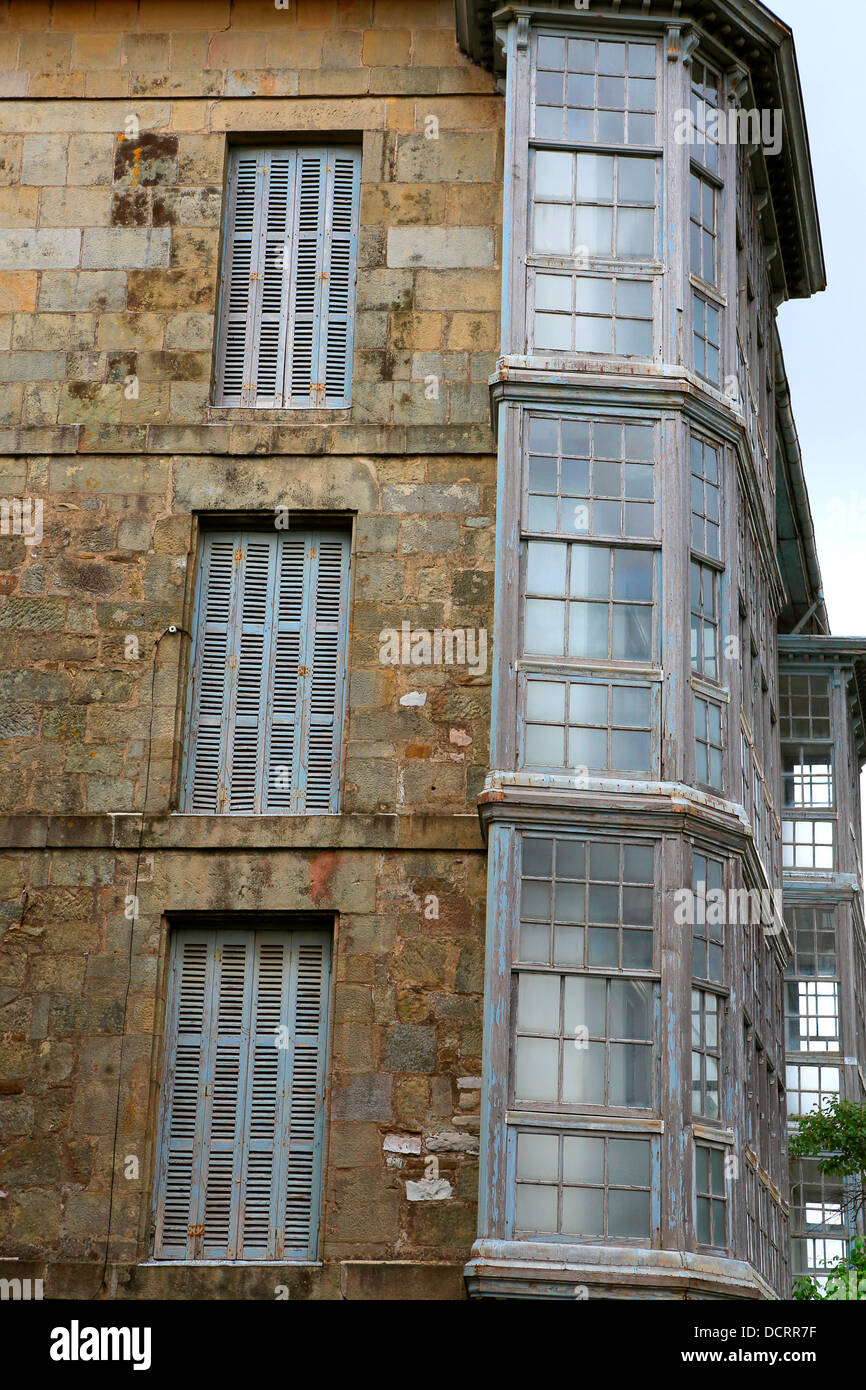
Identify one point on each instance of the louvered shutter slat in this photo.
(276, 268)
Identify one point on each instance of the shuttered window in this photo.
(239, 1166)
(288, 285)
(268, 675)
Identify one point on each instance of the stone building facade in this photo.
(157, 446)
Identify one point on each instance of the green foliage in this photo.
(846, 1280)
(836, 1136)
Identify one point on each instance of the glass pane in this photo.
(553, 229)
(630, 1080)
(587, 703)
(630, 1009)
(583, 1074)
(536, 857)
(536, 1209)
(631, 706)
(535, 943)
(637, 950)
(535, 901)
(585, 1005)
(604, 862)
(642, 59)
(551, 52)
(568, 945)
(538, 1157)
(703, 1215)
(538, 1003)
(548, 122)
(630, 752)
(570, 906)
(570, 858)
(553, 173)
(595, 178)
(545, 569)
(541, 514)
(637, 906)
(587, 748)
(638, 864)
(602, 946)
(636, 180)
(628, 1162)
(553, 332)
(535, 1072)
(603, 902)
(634, 298)
(594, 295)
(587, 629)
(581, 55)
(545, 627)
(635, 232)
(592, 335)
(634, 339)
(582, 1211)
(590, 571)
(543, 434)
(582, 1159)
(545, 745)
(632, 633)
(628, 1213)
(545, 700)
(632, 575)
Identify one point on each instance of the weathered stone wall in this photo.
(109, 272)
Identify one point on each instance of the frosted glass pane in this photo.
(535, 900)
(538, 1003)
(587, 748)
(594, 295)
(545, 627)
(594, 231)
(582, 1159)
(553, 174)
(583, 1074)
(630, 1009)
(570, 858)
(575, 438)
(641, 129)
(632, 574)
(637, 180)
(587, 629)
(631, 706)
(535, 943)
(587, 703)
(542, 473)
(628, 1162)
(592, 335)
(553, 229)
(642, 59)
(545, 700)
(551, 52)
(590, 571)
(536, 1208)
(628, 1213)
(638, 446)
(634, 298)
(581, 55)
(585, 1004)
(568, 945)
(630, 752)
(538, 1157)
(580, 91)
(535, 1071)
(543, 435)
(630, 1074)
(595, 178)
(570, 905)
(602, 946)
(607, 518)
(603, 902)
(632, 633)
(607, 478)
(548, 122)
(635, 232)
(542, 514)
(641, 95)
(637, 906)
(546, 567)
(604, 862)
(638, 864)
(611, 93)
(634, 339)
(553, 292)
(545, 745)
(553, 332)
(637, 950)
(582, 1211)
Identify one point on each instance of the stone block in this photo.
(131, 248)
(440, 247)
(40, 250)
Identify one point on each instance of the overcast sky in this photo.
(823, 337)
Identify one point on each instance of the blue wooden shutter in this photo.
(327, 211)
(288, 278)
(239, 1171)
(269, 670)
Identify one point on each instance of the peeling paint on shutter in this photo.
(242, 1119)
(269, 672)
